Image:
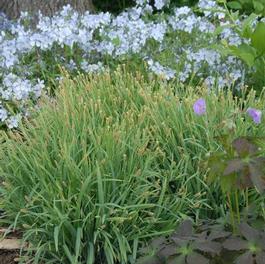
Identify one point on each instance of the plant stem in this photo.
(247, 205)
(231, 213)
(237, 207)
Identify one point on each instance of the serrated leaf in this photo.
(258, 37)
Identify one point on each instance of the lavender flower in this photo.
(255, 114)
(199, 107)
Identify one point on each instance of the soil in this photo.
(8, 256)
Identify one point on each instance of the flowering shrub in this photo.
(180, 45)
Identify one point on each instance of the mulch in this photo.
(8, 256)
(10, 244)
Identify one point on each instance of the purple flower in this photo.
(199, 107)
(255, 114)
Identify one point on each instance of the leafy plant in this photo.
(238, 166)
(113, 162)
(185, 247)
(248, 6)
(252, 50)
(251, 242)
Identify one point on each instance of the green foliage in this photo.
(113, 161)
(113, 6)
(252, 51)
(248, 6)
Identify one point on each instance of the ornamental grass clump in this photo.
(112, 162)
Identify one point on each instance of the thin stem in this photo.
(237, 207)
(231, 213)
(247, 205)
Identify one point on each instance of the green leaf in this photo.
(258, 38)
(56, 237)
(234, 5)
(258, 6)
(245, 53)
(247, 26)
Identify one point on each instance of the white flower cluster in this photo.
(158, 69)
(99, 37)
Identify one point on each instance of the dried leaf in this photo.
(10, 244)
(235, 243)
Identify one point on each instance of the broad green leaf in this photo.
(258, 6)
(247, 26)
(258, 38)
(245, 53)
(234, 5)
